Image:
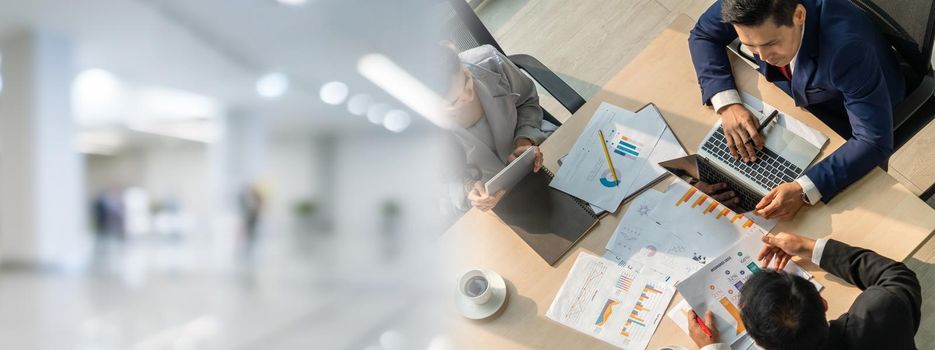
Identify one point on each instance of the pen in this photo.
(766, 122)
(703, 327)
(607, 154)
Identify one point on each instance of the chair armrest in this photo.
(915, 112)
(557, 87)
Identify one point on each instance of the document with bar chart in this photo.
(611, 302)
(629, 138)
(701, 222)
(718, 284)
(639, 241)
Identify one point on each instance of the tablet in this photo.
(513, 173)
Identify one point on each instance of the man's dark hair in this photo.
(783, 311)
(753, 13)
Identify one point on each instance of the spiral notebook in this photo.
(548, 220)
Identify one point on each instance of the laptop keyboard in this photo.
(769, 170)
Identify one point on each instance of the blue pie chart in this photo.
(607, 180)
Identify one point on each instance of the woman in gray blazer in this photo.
(497, 116)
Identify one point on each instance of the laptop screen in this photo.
(717, 184)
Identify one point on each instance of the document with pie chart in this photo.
(630, 139)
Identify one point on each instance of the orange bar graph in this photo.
(700, 200)
(688, 195)
(738, 216)
(636, 317)
(734, 313)
(711, 208)
(748, 224)
(723, 213)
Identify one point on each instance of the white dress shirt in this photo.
(729, 97)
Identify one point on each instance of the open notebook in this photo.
(549, 220)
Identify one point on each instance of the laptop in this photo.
(784, 159)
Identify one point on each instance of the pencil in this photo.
(765, 123)
(607, 154)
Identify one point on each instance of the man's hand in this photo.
(720, 192)
(782, 202)
(782, 247)
(697, 334)
(739, 127)
(521, 146)
(481, 200)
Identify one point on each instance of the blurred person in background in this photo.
(496, 114)
(109, 214)
(251, 207)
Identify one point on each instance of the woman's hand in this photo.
(521, 146)
(480, 199)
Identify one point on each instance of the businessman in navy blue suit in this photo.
(831, 59)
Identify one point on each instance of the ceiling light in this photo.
(403, 86)
(97, 97)
(358, 104)
(396, 121)
(272, 85)
(377, 112)
(292, 2)
(333, 93)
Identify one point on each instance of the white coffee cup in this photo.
(475, 286)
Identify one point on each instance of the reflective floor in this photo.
(172, 293)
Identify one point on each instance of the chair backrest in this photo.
(464, 29)
(909, 25)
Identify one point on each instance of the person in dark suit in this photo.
(785, 311)
(830, 58)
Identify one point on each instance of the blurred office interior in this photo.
(216, 174)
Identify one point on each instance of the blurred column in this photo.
(239, 156)
(42, 213)
(326, 167)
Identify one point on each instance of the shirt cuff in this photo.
(812, 195)
(819, 249)
(716, 346)
(725, 98)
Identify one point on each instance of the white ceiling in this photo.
(220, 47)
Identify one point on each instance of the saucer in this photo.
(474, 311)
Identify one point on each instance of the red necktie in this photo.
(786, 72)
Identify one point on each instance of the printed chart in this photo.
(611, 302)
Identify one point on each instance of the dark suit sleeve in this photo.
(708, 45)
(857, 74)
(892, 282)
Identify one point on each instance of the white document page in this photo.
(639, 241)
(610, 302)
(629, 137)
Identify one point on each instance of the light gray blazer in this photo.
(511, 106)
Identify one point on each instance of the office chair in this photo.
(465, 30)
(909, 26)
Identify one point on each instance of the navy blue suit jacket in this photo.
(843, 61)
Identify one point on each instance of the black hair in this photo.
(756, 12)
(783, 311)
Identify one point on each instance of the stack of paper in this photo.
(610, 302)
